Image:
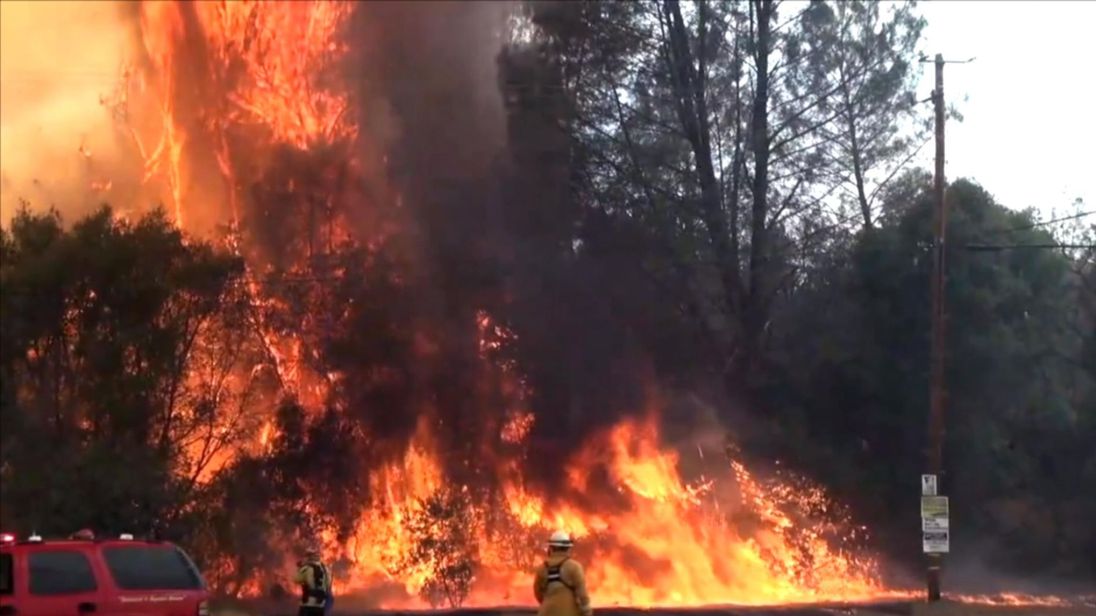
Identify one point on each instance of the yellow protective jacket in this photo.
(315, 582)
(560, 588)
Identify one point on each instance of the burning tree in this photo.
(122, 347)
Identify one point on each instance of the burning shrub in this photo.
(443, 551)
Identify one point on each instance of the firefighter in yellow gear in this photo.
(315, 581)
(560, 583)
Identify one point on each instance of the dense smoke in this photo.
(423, 77)
(489, 197)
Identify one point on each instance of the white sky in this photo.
(1028, 100)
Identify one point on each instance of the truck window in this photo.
(59, 572)
(7, 581)
(144, 567)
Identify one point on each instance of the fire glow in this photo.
(224, 92)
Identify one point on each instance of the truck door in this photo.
(56, 582)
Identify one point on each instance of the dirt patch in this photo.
(961, 609)
(897, 609)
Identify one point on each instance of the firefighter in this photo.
(315, 582)
(560, 583)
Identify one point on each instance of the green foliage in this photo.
(857, 353)
(99, 327)
(724, 132)
(864, 55)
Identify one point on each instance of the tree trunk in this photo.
(689, 91)
(736, 157)
(857, 155)
(754, 313)
(858, 174)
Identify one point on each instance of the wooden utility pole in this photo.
(937, 394)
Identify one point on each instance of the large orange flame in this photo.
(284, 53)
(652, 539)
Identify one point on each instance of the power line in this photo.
(1000, 247)
(1043, 223)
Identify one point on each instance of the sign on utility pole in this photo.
(934, 524)
(935, 541)
(928, 485)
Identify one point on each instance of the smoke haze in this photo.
(57, 59)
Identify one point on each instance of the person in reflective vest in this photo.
(315, 581)
(560, 583)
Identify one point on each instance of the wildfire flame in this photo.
(267, 83)
(650, 539)
(278, 49)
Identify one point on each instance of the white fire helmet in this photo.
(560, 539)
